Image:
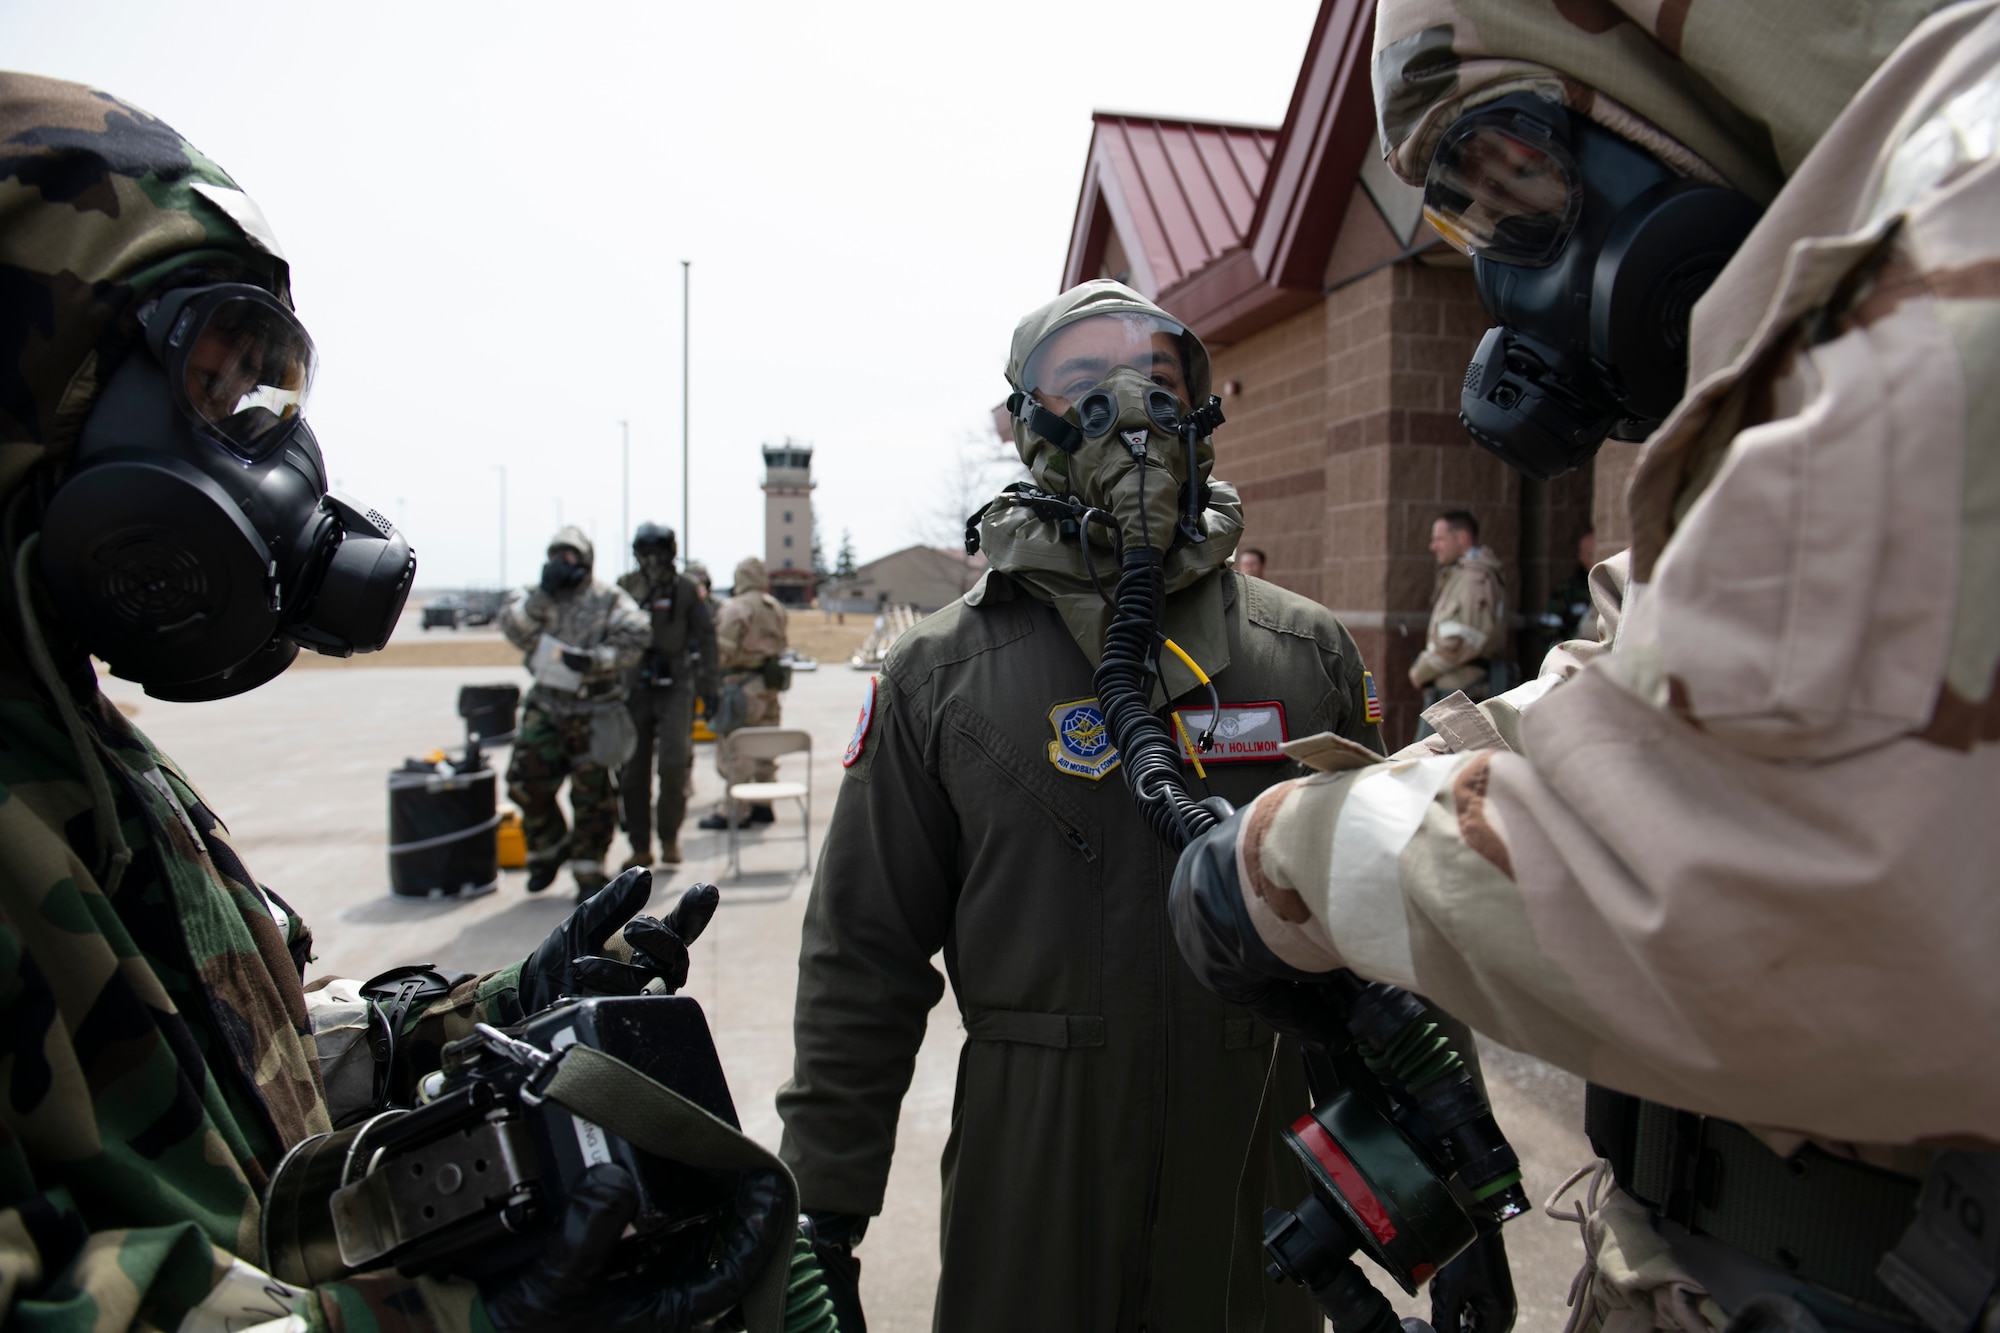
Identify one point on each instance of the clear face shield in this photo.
(1503, 187)
(239, 364)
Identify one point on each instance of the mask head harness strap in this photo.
(1044, 423)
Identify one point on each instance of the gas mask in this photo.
(1107, 397)
(1590, 253)
(654, 547)
(559, 576)
(193, 544)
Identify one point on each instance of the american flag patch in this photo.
(1374, 699)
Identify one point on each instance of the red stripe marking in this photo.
(1346, 1178)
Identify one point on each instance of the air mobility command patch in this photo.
(1247, 733)
(1374, 699)
(860, 737)
(1083, 741)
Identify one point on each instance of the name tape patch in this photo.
(1083, 741)
(1245, 734)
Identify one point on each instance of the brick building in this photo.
(1340, 326)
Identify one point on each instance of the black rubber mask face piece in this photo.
(199, 573)
(1592, 329)
(559, 576)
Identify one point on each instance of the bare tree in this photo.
(978, 466)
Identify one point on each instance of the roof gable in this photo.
(1166, 198)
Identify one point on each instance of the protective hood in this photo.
(1717, 89)
(750, 577)
(101, 205)
(574, 538)
(1029, 548)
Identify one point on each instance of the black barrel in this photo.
(441, 833)
(489, 711)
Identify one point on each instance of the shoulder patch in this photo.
(857, 742)
(1373, 700)
(1083, 739)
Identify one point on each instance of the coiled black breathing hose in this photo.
(1147, 752)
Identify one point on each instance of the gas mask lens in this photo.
(241, 365)
(1502, 187)
(1067, 364)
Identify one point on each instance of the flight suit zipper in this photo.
(1165, 1031)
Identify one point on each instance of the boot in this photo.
(670, 852)
(640, 859)
(588, 883)
(717, 821)
(542, 876)
(762, 814)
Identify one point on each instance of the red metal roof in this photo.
(1234, 224)
(1185, 190)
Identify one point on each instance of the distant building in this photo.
(925, 577)
(788, 520)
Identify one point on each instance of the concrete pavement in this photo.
(297, 770)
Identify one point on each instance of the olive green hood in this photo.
(1734, 90)
(101, 205)
(1029, 548)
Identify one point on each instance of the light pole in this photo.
(687, 530)
(501, 468)
(625, 499)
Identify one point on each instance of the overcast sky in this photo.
(485, 207)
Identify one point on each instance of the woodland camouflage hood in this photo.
(1721, 89)
(101, 205)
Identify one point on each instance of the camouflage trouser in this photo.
(663, 718)
(761, 708)
(547, 749)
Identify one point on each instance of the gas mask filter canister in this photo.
(192, 543)
(1590, 253)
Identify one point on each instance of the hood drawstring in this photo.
(104, 809)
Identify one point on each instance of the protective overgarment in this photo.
(680, 667)
(1467, 626)
(155, 981)
(1104, 1100)
(574, 724)
(749, 635)
(1738, 862)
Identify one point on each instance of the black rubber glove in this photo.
(565, 1292)
(578, 660)
(711, 704)
(1474, 1293)
(834, 1236)
(1212, 927)
(659, 948)
(550, 972)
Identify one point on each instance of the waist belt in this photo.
(1821, 1218)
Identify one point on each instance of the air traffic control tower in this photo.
(788, 521)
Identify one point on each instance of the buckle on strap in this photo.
(1823, 1219)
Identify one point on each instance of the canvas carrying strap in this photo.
(1821, 1218)
(612, 1094)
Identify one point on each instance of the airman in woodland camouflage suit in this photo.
(157, 1040)
(579, 637)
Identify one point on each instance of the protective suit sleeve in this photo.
(701, 633)
(523, 617)
(627, 634)
(731, 622)
(881, 908)
(1462, 624)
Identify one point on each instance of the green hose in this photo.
(808, 1307)
(1419, 1055)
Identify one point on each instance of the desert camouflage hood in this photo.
(751, 576)
(1029, 549)
(1715, 88)
(100, 204)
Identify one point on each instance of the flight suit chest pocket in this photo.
(1029, 918)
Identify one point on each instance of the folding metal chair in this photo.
(767, 743)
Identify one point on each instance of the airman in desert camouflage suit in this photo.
(1735, 867)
